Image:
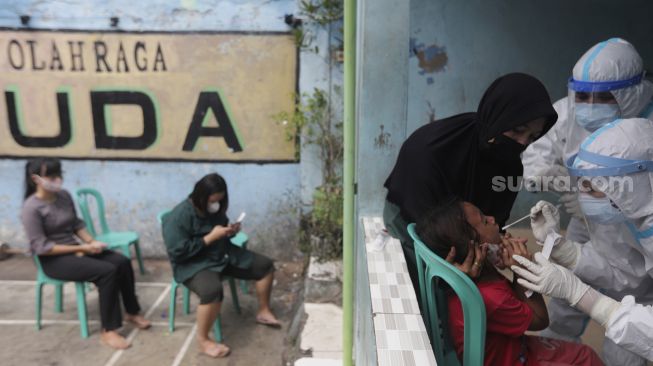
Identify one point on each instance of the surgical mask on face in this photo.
(50, 185)
(213, 207)
(600, 210)
(594, 116)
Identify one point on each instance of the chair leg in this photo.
(137, 249)
(58, 298)
(244, 287)
(217, 330)
(186, 296)
(81, 309)
(234, 294)
(172, 308)
(39, 294)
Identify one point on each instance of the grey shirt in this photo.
(50, 223)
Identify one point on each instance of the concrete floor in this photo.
(59, 341)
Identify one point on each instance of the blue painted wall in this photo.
(137, 191)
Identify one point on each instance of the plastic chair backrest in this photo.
(161, 215)
(433, 271)
(84, 196)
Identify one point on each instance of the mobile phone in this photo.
(240, 218)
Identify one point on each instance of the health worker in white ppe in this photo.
(615, 168)
(607, 84)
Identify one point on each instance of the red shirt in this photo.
(507, 318)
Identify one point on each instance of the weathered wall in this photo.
(263, 181)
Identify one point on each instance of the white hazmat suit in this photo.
(615, 67)
(616, 160)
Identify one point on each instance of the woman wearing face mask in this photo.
(54, 233)
(196, 233)
(474, 156)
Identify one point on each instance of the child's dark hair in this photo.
(208, 185)
(445, 226)
(43, 167)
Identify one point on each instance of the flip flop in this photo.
(269, 323)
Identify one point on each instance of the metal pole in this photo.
(349, 224)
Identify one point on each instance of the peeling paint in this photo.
(431, 58)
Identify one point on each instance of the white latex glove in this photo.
(570, 203)
(549, 279)
(545, 221)
(545, 218)
(553, 280)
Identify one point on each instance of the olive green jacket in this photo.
(183, 232)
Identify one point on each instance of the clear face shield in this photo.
(592, 104)
(608, 227)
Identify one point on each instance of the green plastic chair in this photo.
(217, 328)
(240, 240)
(120, 240)
(433, 271)
(43, 279)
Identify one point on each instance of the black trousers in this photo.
(208, 286)
(111, 272)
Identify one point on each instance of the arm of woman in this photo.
(93, 246)
(59, 249)
(182, 244)
(39, 242)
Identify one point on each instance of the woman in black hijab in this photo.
(461, 155)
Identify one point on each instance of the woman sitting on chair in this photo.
(54, 232)
(509, 311)
(196, 233)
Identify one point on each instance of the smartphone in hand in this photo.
(240, 218)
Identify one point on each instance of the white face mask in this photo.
(50, 185)
(592, 116)
(213, 207)
(600, 210)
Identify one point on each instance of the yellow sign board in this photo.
(146, 96)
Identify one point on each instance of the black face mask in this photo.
(504, 148)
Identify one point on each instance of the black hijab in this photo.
(452, 157)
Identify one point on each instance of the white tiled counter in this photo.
(399, 331)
